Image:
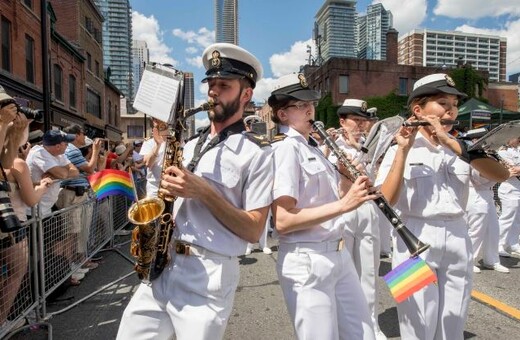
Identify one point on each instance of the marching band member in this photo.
(221, 205)
(316, 273)
(362, 227)
(426, 176)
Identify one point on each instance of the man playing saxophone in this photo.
(224, 193)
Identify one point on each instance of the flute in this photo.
(425, 123)
(414, 245)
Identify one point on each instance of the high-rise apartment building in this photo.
(117, 42)
(189, 100)
(335, 29)
(372, 29)
(226, 21)
(443, 49)
(140, 58)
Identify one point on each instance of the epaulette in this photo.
(278, 138)
(258, 139)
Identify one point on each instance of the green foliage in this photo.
(389, 105)
(469, 81)
(326, 112)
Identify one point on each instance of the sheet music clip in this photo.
(159, 91)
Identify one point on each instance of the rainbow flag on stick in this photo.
(409, 277)
(111, 182)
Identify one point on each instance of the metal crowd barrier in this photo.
(49, 250)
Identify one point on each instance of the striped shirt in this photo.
(76, 158)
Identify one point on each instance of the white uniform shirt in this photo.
(511, 187)
(40, 161)
(435, 182)
(342, 144)
(303, 173)
(242, 173)
(153, 175)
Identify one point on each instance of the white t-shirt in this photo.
(40, 161)
(153, 175)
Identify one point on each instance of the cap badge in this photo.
(364, 107)
(215, 59)
(449, 81)
(303, 81)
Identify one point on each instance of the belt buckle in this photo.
(341, 244)
(182, 248)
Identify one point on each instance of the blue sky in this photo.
(278, 31)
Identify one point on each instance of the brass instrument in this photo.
(414, 245)
(153, 216)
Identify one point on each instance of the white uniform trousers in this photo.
(192, 299)
(509, 222)
(322, 293)
(483, 226)
(363, 243)
(438, 311)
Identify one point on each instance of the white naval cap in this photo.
(252, 119)
(354, 107)
(434, 84)
(4, 96)
(292, 86)
(224, 60)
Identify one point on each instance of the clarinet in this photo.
(414, 245)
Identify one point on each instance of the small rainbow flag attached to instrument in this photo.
(111, 182)
(409, 277)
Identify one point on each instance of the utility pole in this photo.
(45, 68)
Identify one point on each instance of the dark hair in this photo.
(421, 101)
(278, 105)
(73, 129)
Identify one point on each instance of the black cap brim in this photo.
(353, 110)
(305, 95)
(431, 91)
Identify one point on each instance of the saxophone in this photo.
(153, 216)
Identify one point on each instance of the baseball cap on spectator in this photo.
(53, 137)
(120, 149)
(88, 142)
(4, 96)
(35, 136)
(138, 143)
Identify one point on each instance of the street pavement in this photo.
(259, 310)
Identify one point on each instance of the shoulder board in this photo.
(278, 138)
(258, 139)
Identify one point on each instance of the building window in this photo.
(28, 3)
(6, 44)
(89, 62)
(343, 84)
(97, 68)
(403, 86)
(58, 82)
(72, 91)
(134, 131)
(93, 103)
(29, 59)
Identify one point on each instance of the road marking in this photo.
(495, 304)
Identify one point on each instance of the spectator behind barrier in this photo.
(14, 252)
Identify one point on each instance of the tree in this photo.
(469, 81)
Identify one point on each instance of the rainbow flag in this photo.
(111, 182)
(409, 277)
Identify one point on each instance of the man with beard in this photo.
(223, 196)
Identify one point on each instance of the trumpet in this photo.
(425, 123)
(414, 245)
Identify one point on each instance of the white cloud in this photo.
(203, 89)
(147, 29)
(408, 14)
(263, 90)
(475, 9)
(192, 50)
(195, 61)
(202, 38)
(512, 32)
(200, 122)
(289, 62)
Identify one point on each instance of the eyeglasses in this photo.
(303, 105)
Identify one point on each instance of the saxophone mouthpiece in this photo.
(203, 107)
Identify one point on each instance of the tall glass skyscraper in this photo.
(226, 21)
(372, 29)
(140, 57)
(117, 42)
(335, 32)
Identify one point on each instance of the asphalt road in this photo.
(259, 311)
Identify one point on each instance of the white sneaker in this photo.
(249, 250)
(78, 276)
(476, 270)
(496, 267)
(267, 250)
(513, 251)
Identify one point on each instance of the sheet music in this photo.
(498, 137)
(157, 93)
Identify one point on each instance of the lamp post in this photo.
(45, 68)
